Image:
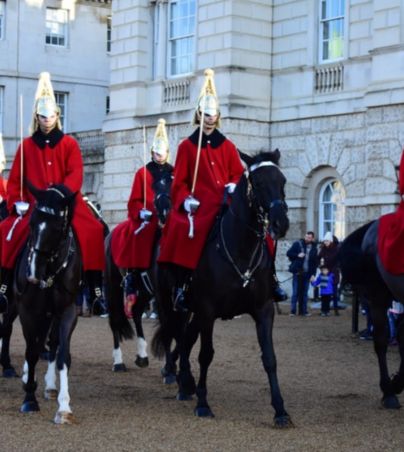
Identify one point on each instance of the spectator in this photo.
(325, 282)
(328, 257)
(395, 315)
(303, 257)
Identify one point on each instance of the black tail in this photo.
(118, 321)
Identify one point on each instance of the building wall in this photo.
(81, 70)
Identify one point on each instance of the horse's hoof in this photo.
(183, 397)
(119, 368)
(142, 362)
(283, 421)
(391, 402)
(9, 372)
(29, 407)
(64, 417)
(51, 394)
(203, 411)
(169, 379)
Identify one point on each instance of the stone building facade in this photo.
(69, 39)
(322, 80)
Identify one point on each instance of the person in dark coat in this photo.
(303, 257)
(328, 257)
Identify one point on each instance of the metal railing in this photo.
(329, 79)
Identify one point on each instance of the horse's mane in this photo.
(261, 156)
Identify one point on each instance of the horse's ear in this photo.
(34, 191)
(246, 158)
(277, 155)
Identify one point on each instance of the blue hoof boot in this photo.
(29, 407)
(9, 372)
(203, 411)
(142, 362)
(183, 397)
(391, 402)
(119, 368)
(169, 379)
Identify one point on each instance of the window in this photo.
(331, 30)
(109, 33)
(61, 101)
(107, 104)
(1, 107)
(181, 36)
(2, 21)
(332, 209)
(56, 27)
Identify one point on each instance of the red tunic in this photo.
(130, 250)
(219, 164)
(3, 188)
(391, 233)
(45, 164)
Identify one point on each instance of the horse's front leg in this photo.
(68, 321)
(205, 357)
(398, 379)
(142, 360)
(264, 326)
(30, 403)
(380, 342)
(6, 331)
(50, 391)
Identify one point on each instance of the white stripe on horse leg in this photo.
(1, 344)
(24, 377)
(117, 355)
(63, 397)
(141, 347)
(50, 376)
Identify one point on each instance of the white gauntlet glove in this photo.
(21, 207)
(191, 204)
(230, 187)
(145, 215)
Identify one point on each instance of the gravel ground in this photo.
(329, 381)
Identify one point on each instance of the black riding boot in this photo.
(6, 283)
(129, 282)
(279, 293)
(180, 302)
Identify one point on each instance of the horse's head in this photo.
(267, 190)
(49, 225)
(162, 199)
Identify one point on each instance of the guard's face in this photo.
(47, 123)
(209, 122)
(160, 158)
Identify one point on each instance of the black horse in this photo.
(234, 276)
(362, 268)
(46, 284)
(145, 282)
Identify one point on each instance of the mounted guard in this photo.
(46, 158)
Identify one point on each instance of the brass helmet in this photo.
(160, 144)
(207, 100)
(45, 102)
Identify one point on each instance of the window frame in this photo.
(330, 19)
(2, 89)
(48, 33)
(2, 18)
(337, 226)
(62, 99)
(109, 33)
(185, 36)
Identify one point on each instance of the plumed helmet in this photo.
(160, 144)
(207, 100)
(45, 103)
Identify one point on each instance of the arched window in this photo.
(332, 209)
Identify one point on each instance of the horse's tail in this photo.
(118, 321)
(354, 263)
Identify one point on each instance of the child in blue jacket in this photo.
(325, 283)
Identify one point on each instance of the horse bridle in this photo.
(54, 256)
(262, 220)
